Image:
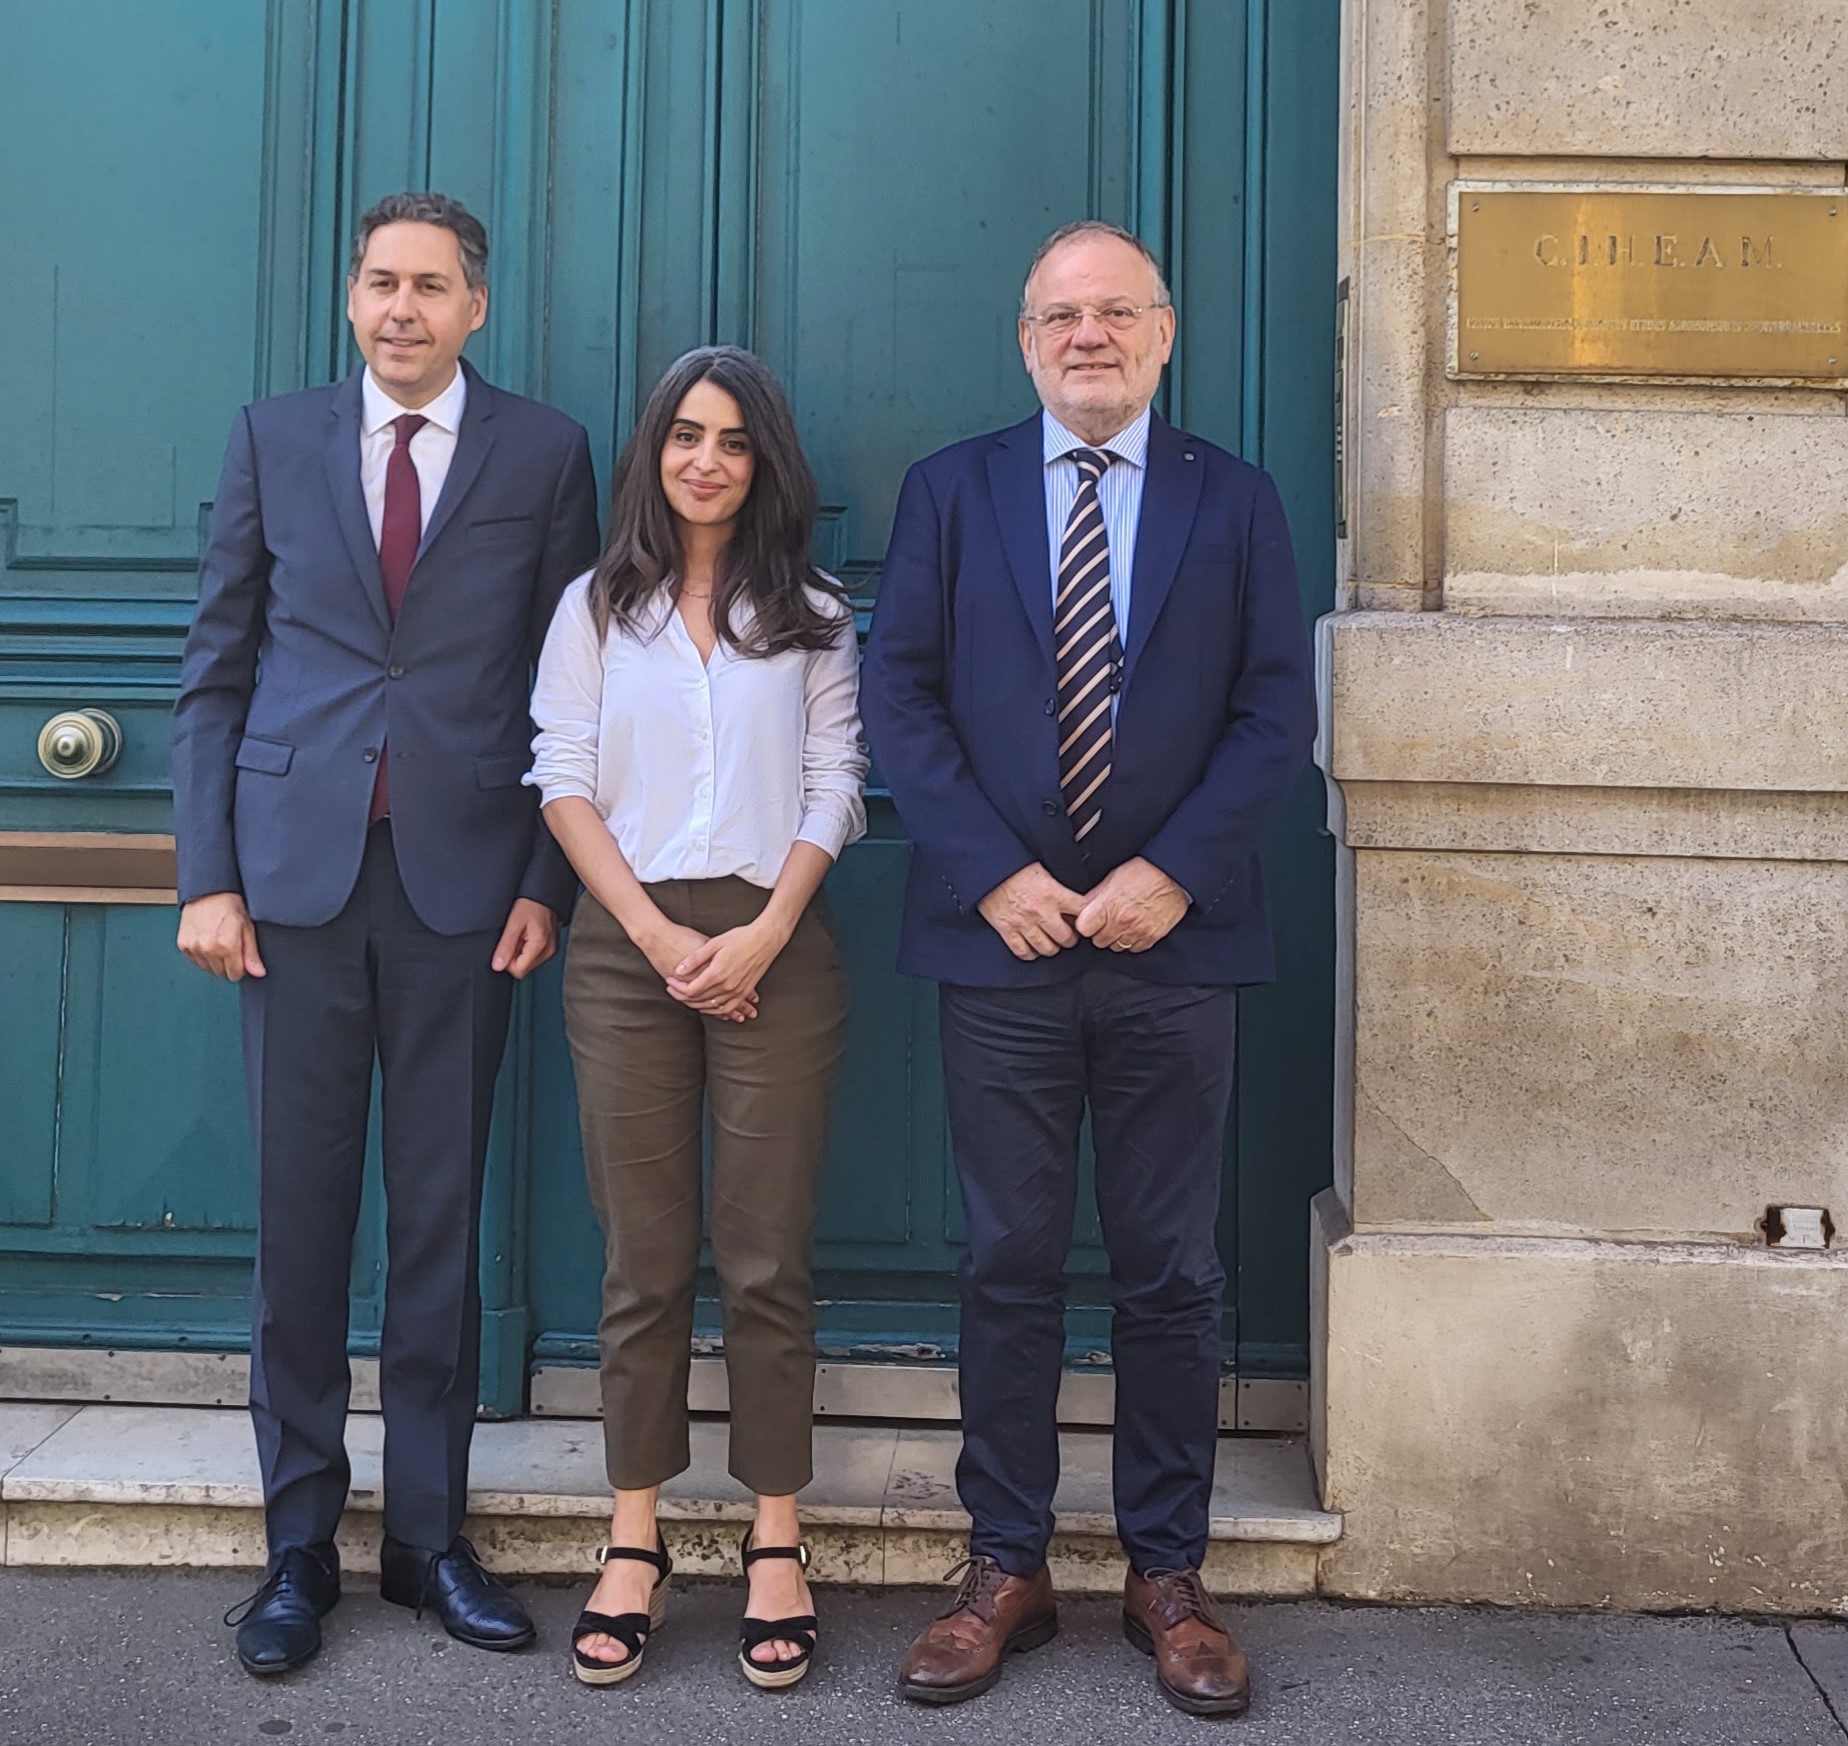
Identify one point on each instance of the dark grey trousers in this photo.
(1154, 1065)
(374, 981)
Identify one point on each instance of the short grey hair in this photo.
(438, 209)
(1096, 227)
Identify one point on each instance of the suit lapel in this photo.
(473, 441)
(1017, 483)
(1170, 496)
(342, 458)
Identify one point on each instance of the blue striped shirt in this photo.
(1119, 495)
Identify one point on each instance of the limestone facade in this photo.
(1586, 729)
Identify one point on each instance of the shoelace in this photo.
(1183, 1596)
(242, 1610)
(278, 1579)
(429, 1581)
(980, 1577)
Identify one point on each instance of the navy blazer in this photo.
(1215, 718)
(295, 674)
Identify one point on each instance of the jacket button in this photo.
(1050, 808)
(394, 672)
(370, 754)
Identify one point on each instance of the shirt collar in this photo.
(378, 409)
(1130, 444)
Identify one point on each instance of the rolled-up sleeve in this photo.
(568, 701)
(834, 760)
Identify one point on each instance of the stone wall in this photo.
(1586, 720)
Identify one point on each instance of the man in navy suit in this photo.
(1087, 685)
(357, 850)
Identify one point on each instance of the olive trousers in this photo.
(650, 1071)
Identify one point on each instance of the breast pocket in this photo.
(502, 527)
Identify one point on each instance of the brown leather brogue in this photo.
(959, 1654)
(1168, 1614)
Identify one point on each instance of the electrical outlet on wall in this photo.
(1798, 1227)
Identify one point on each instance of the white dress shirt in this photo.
(432, 448)
(701, 769)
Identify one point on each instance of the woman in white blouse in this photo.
(700, 759)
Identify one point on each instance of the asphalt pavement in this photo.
(105, 1658)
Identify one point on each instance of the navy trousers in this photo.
(373, 981)
(1155, 1065)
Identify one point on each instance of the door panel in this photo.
(153, 265)
(31, 1001)
(875, 1151)
(125, 1195)
(98, 472)
(884, 297)
(163, 1139)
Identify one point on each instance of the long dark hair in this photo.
(765, 565)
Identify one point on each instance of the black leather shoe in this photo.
(472, 1605)
(279, 1627)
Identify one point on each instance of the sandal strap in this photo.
(755, 1632)
(629, 1629)
(750, 1554)
(659, 1560)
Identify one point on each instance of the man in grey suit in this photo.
(357, 851)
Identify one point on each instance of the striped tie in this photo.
(1087, 656)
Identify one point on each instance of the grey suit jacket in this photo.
(295, 675)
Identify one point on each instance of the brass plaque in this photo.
(1627, 283)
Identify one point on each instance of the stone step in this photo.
(139, 1485)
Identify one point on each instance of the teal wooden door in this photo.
(852, 188)
(155, 238)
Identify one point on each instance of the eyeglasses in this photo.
(1062, 319)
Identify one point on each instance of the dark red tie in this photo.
(400, 534)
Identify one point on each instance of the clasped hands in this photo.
(1132, 908)
(716, 975)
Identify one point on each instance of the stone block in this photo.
(134, 1536)
(1598, 1044)
(1733, 824)
(1649, 78)
(1557, 512)
(1389, 519)
(1550, 1423)
(24, 1425)
(148, 1456)
(1394, 259)
(1599, 703)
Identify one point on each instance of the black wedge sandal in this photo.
(629, 1629)
(775, 1675)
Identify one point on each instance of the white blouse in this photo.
(700, 769)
